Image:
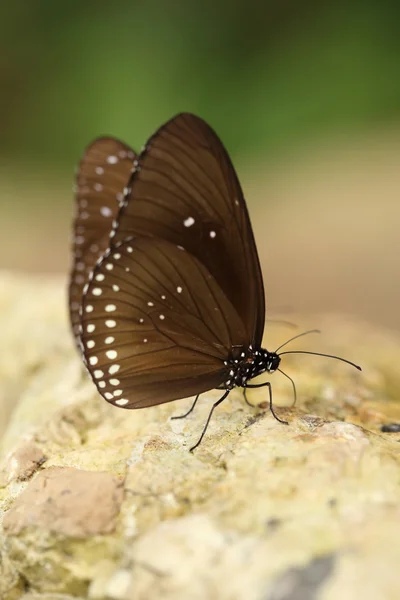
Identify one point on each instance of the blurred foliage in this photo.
(262, 73)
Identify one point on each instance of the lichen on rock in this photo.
(103, 503)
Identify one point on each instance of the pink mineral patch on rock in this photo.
(69, 501)
(22, 463)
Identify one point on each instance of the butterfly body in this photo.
(250, 365)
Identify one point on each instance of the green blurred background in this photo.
(305, 95)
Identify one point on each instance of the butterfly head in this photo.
(271, 360)
(251, 364)
(264, 361)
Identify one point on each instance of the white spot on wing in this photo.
(189, 222)
(105, 211)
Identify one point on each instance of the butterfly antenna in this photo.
(293, 385)
(320, 354)
(282, 322)
(298, 336)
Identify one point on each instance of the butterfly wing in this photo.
(103, 173)
(185, 190)
(156, 326)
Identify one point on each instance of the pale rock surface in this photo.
(101, 503)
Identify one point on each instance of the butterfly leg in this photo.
(247, 402)
(293, 386)
(271, 406)
(209, 419)
(189, 411)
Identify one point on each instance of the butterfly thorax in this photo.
(249, 365)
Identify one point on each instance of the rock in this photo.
(68, 501)
(103, 503)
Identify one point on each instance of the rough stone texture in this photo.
(101, 503)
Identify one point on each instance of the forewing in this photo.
(102, 175)
(185, 190)
(156, 326)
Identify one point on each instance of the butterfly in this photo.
(171, 303)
